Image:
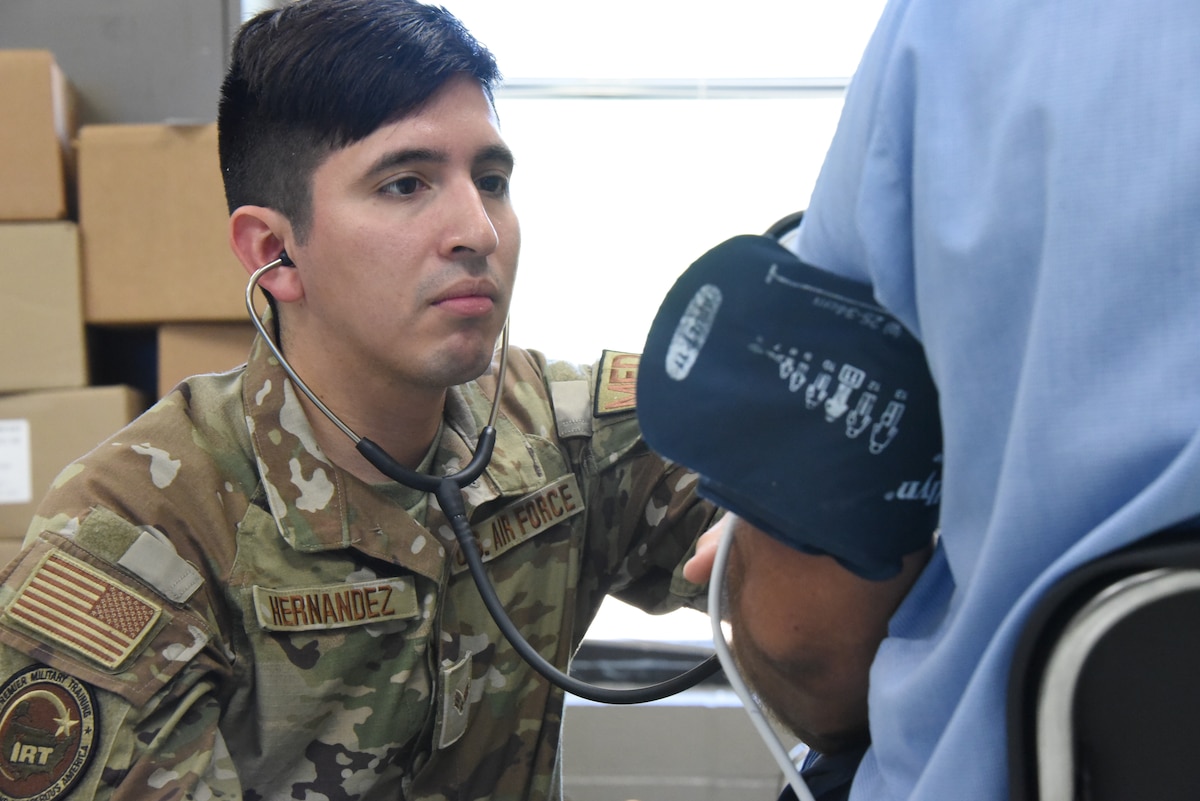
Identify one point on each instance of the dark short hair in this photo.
(315, 76)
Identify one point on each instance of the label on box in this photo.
(16, 462)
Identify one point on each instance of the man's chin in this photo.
(463, 368)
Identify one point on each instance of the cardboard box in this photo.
(186, 349)
(43, 432)
(154, 227)
(42, 336)
(37, 126)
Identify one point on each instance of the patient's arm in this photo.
(805, 630)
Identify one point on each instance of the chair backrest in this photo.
(1104, 693)
(785, 225)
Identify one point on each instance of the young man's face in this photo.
(410, 258)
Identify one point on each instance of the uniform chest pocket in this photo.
(345, 664)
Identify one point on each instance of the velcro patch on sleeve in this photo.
(153, 559)
(572, 408)
(616, 383)
(83, 609)
(335, 606)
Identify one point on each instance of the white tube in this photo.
(757, 717)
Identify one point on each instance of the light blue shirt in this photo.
(1020, 181)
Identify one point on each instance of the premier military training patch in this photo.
(77, 606)
(47, 727)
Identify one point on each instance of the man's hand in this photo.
(698, 569)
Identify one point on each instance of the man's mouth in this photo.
(468, 299)
(467, 305)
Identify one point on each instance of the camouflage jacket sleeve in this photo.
(647, 514)
(101, 669)
(109, 634)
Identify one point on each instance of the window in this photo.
(645, 136)
(660, 39)
(646, 132)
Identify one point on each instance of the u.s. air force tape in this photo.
(806, 408)
(525, 518)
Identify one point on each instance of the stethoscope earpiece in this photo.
(285, 260)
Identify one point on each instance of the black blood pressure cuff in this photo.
(804, 406)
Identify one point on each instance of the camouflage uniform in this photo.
(257, 623)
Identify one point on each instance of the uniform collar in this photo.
(318, 506)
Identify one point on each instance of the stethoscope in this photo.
(449, 493)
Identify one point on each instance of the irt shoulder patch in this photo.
(616, 383)
(47, 727)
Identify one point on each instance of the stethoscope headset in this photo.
(449, 493)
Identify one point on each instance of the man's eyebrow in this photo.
(496, 154)
(403, 158)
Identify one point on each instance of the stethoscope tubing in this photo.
(448, 490)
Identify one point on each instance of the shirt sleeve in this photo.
(645, 515)
(109, 686)
(859, 220)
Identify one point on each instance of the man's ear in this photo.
(257, 236)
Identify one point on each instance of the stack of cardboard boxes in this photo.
(104, 229)
(155, 239)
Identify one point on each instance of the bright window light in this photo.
(671, 39)
(647, 132)
(645, 136)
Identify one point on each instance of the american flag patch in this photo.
(79, 607)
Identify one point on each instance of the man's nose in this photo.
(468, 224)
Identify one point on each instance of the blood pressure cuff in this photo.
(805, 407)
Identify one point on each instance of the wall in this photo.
(700, 746)
(131, 60)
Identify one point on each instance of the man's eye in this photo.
(493, 184)
(402, 186)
